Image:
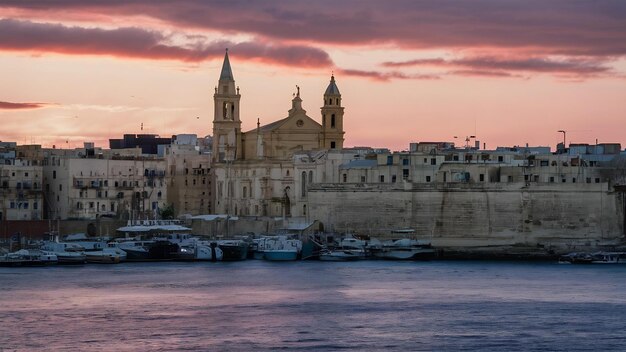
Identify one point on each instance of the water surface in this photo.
(319, 306)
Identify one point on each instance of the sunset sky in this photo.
(509, 72)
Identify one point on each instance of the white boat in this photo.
(67, 253)
(135, 250)
(405, 249)
(351, 248)
(342, 255)
(277, 248)
(105, 256)
(28, 257)
(608, 258)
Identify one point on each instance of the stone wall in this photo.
(495, 217)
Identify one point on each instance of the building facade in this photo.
(255, 172)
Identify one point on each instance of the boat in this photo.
(277, 248)
(149, 250)
(342, 255)
(105, 256)
(351, 248)
(233, 250)
(67, 253)
(576, 258)
(405, 249)
(28, 257)
(608, 258)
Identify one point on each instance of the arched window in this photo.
(337, 101)
(332, 121)
(245, 191)
(304, 209)
(303, 183)
(287, 173)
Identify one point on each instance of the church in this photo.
(254, 171)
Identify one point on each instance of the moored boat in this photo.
(28, 257)
(233, 250)
(277, 248)
(405, 249)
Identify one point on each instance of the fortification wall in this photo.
(504, 218)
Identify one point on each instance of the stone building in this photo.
(89, 188)
(21, 194)
(189, 179)
(254, 171)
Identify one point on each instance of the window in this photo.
(563, 180)
(303, 183)
(245, 192)
(26, 174)
(573, 179)
(345, 178)
(482, 177)
(427, 178)
(405, 161)
(35, 205)
(363, 179)
(389, 160)
(332, 121)
(332, 145)
(588, 180)
(382, 178)
(393, 178)
(54, 174)
(551, 178)
(159, 194)
(597, 180)
(433, 161)
(60, 188)
(405, 174)
(91, 205)
(310, 177)
(500, 158)
(12, 205)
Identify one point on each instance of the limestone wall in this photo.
(557, 217)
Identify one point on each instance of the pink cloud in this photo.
(135, 42)
(504, 67)
(4, 105)
(384, 76)
(557, 27)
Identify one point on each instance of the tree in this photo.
(167, 212)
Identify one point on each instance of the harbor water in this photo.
(317, 306)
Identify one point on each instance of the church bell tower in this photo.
(332, 117)
(226, 121)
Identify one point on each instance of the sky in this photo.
(506, 72)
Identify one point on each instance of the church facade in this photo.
(255, 171)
